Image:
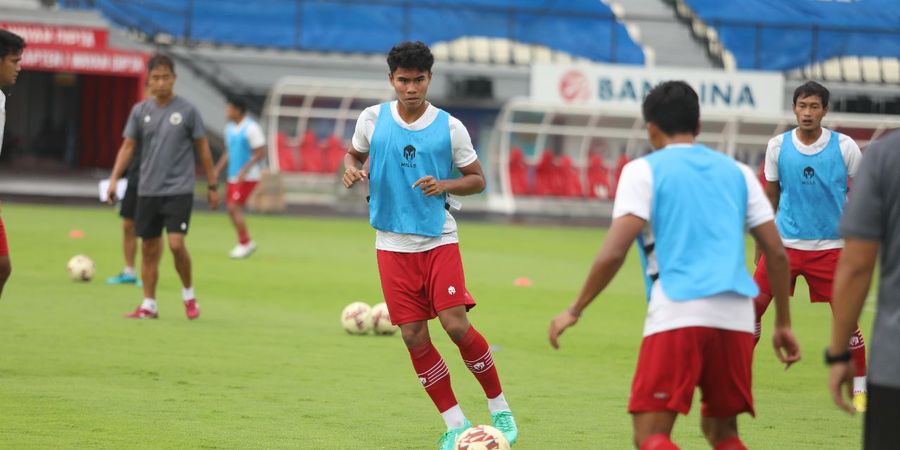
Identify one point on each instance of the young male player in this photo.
(11, 47)
(687, 206)
(808, 171)
(126, 212)
(412, 147)
(169, 130)
(245, 147)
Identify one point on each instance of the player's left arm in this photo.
(471, 182)
(465, 159)
(258, 143)
(201, 145)
(623, 231)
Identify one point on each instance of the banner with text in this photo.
(624, 87)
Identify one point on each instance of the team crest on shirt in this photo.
(808, 175)
(147, 119)
(175, 118)
(409, 154)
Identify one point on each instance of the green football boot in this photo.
(448, 439)
(504, 421)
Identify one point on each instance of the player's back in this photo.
(698, 216)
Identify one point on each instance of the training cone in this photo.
(522, 282)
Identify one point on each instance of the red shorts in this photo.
(238, 193)
(418, 285)
(4, 246)
(718, 361)
(816, 266)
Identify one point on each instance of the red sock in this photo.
(243, 237)
(858, 352)
(658, 442)
(732, 443)
(433, 375)
(477, 355)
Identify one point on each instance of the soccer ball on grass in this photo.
(81, 268)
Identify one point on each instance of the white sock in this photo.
(498, 404)
(454, 417)
(859, 384)
(187, 293)
(128, 271)
(149, 304)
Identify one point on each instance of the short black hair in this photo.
(160, 60)
(239, 103)
(674, 107)
(809, 89)
(410, 55)
(10, 43)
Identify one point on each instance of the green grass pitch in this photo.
(268, 366)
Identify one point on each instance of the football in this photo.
(357, 318)
(381, 320)
(482, 437)
(81, 268)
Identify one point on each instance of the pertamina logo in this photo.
(409, 154)
(574, 87)
(175, 118)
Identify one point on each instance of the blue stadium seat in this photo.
(784, 35)
(581, 28)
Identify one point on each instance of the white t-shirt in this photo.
(852, 158)
(2, 117)
(463, 155)
(728, 311)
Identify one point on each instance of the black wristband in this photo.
(833, 359)
(212, 187)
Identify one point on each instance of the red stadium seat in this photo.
(546, 175)
(569, 178)
(334, 150)
(310, 154)
(598, 177)
(620, 164)
(518, 172)
(287, 162)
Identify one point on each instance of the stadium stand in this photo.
(580, 28)
(834, 40)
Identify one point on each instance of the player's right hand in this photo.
(559, 324)
(786, 347)
(352, 175)
(111, 192)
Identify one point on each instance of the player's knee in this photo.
(456, 329)
(176, 245)
(414, 335)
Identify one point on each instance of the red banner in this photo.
(100, 61)
(59, 36)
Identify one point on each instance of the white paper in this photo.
(121, 186)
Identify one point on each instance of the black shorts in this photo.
(882, 417)
(171, 211)
(129, 203)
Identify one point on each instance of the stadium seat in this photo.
(597, 177)
(569, 178)
(441, 51)
(890, 70)
(546, 176)
(480, 49)
(850, 67)
(459, 50)
(518, 172)
(620, 164)
(334, 151)
(831, 70)
(521, 53)
(287, 161)
(871, 70)
(501, 51)
(541, 54)
(310, 154)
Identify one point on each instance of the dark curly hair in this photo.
(10, 43)
(410, 55)
(809, 89)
